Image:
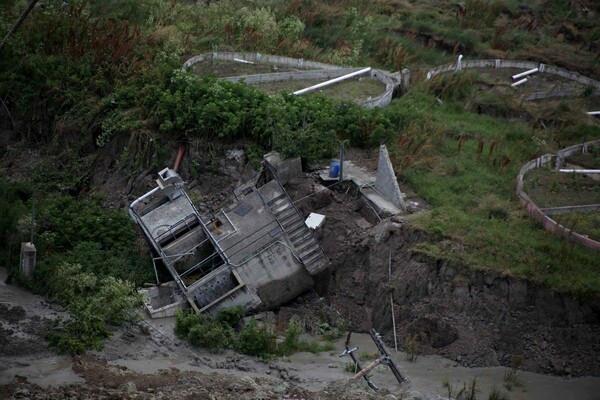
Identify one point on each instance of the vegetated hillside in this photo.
(95, 101)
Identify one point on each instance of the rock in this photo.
(129, 387)
(280, 388)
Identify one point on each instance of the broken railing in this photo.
(385, 359)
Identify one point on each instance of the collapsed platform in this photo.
(257, 253)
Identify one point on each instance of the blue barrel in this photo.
(334, 169)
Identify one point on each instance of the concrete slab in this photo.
(359, 175)
(159, 220)
(381, 204)
(366, 182)
(252, 230)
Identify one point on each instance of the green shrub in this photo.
(184, 321)
(93, 302)
(231, 315)
(211, 334)
(292, 338)
(255, 340)
(14, 207)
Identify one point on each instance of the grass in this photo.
(548, 188)
(475, 214)
(368, 356)
(222, 68)
(511, 376)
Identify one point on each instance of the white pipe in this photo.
(593, 113)
(459, 62)
(331, 81)
(581, 171)
(522, 74)
(517, 83)
(242, 61)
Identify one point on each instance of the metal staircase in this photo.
(304, 243)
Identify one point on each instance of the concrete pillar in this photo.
(405, 78)
(28, 256)
(459, 62)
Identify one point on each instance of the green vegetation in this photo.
(467, 173)
(254, 339)
(93, 303)
(86, 261)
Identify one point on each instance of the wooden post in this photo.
(14, 28)
(366, 369)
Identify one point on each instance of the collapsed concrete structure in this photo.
(257, 253)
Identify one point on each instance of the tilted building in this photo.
(257, 253)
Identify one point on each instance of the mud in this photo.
(149, 362)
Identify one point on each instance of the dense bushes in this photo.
(86, 260)
(254, 339)
(103, 77)
(93, 303)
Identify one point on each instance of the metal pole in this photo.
(524, 74)
(32, 217)
(331, 81)
(155, 271)
(341, 174)
(392, 300)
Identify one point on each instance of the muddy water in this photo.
(428, 373)
(49, 371)
(40, 369)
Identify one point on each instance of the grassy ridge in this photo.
(475, 211)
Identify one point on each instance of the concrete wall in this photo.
(314, 70)
(276, 274)
(28, 258)
(381, 76)
(548, 223)
(526, 65)
(385, 179)
(390, 81)
(286, 169)
(578, 148)
(299, 63)
(563, 210)
(557, 94)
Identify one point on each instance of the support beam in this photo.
(242, 61)
(332, 81)
(581, 171)
(523, 74)
(517, 83)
